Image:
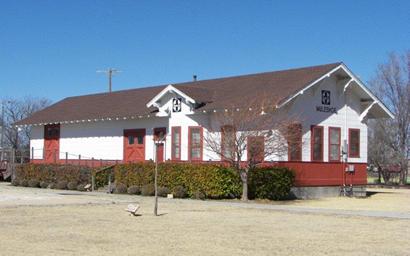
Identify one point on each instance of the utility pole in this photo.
(2, 130)
(110, 72)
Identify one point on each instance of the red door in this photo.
(159, 133)
(51, 143)
(134, 145)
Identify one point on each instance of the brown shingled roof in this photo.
(216, 93)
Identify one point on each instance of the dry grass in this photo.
(391, 200)
(192, 228)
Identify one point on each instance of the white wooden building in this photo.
(120, 126)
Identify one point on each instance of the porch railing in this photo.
(54, 156)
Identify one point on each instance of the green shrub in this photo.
(15, 182)
(163, 191)
(179, 192)
(53, 173)
(52, 185)
(61, 185)
(134, 174)
(102, 176)
(199, 195)
(120, 188)
(72, 185)
(272, 183)
(148, 190)
(23, 183)
(43, 184)
(33, 183)
(80, 187)
(134, 190)
(215, 181)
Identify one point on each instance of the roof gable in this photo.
(169, 89)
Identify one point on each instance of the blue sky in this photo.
(53, 48)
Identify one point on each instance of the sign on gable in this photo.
(176, 104)
(326, 101)
(325, 97)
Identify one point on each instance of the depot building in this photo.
(120, 126)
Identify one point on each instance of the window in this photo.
(334, 144)
(354, 143)
(195, 143)
(256, 149)
(294, 138)
(140, 139)
(227, 142)
(317, 143)
(52, 131)
(130, 140)
(176, 143)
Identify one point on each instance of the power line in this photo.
(110, 72)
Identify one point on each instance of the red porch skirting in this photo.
(326, 174)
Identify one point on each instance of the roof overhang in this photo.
(376, 109)
(169, 89)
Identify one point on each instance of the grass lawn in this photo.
(373, 179)
(90, 224)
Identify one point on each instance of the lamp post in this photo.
(158, 140)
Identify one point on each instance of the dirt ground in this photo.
(50, 222)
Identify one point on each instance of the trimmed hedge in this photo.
(183, 179)
(101, 177)
(53, 173)
(270, 183)
(148, 190)
(120, 188)
(214, 181)
(134, 190)
(34, 183)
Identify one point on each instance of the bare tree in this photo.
(381, 154)
(244, 137)
(18, 109)
(390, 141)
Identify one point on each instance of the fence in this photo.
(14, 156)
(56, 157)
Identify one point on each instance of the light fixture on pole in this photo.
(158, 140)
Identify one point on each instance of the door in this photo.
(134, 145)
(51, 143)
(159, 133)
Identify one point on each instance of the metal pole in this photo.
(93, 182)
(109, 183)
(155, 182)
